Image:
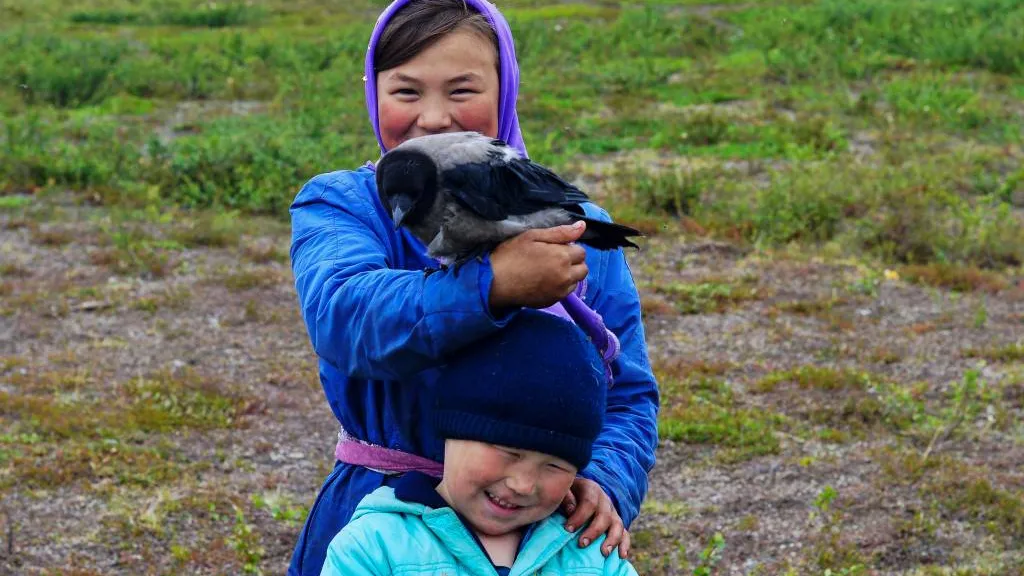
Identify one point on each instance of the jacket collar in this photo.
(540, 542)
(419, 488)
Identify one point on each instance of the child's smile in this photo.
(499, 490)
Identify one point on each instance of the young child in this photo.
(381, 327)
(519, 413)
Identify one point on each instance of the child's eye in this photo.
(404, 92)
(463, 91)
(554, 466)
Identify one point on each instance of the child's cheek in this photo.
(555, 490)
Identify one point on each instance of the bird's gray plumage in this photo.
(453, 149)
(464, 193)
(461, 231)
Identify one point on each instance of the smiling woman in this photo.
(437, 70)
(450, 86)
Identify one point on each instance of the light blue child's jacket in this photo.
(390, 536)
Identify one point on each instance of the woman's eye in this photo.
(405, 92)
(463, 91)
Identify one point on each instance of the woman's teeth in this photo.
(502, 503)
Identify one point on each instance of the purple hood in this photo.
(508, 120)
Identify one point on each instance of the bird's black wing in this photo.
(543, 184)
(479, 188)
(496, 190)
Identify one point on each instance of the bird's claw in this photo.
(428, 271)
(457, 265)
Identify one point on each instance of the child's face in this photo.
(451, 86)
(499, 490)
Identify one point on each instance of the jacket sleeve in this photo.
(624, 451)
(349, 554)
(364, 316)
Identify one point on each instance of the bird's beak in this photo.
(397, 215)
(402, 207)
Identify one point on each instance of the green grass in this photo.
(847, 403)
(174, 298)
(1008, 353)
(709, 296)
(704, 411)
(91, 81)
(156, 404)
(208, 15)
(55, 433)
(807, 377)
(212, 229)
(959, 278)
(962, 491)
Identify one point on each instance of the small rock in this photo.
(92, 305)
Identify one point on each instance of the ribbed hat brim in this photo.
(462, 425)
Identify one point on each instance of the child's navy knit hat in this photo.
(536, 384)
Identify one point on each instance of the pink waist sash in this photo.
(380, 459)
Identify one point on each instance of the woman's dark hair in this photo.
(421, 23)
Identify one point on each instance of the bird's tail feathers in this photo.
(607, 235)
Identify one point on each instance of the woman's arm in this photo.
(363, 316)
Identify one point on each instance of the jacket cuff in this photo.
(485, 278)
(611, 487)
(456, 310)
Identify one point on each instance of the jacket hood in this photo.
(508, 119)
(384, 500)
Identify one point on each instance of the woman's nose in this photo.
(434, 117)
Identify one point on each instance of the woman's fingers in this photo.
(557, 234)
(578, 272)
(603, 519)
(569, 504)
(577, 254)
(586, 504)
(616, 533)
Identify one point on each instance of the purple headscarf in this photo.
(508, 120)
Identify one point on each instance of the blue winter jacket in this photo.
(380, 326)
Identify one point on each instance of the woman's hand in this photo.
(537, 268)
(587, 501)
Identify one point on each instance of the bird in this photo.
(463, 193)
